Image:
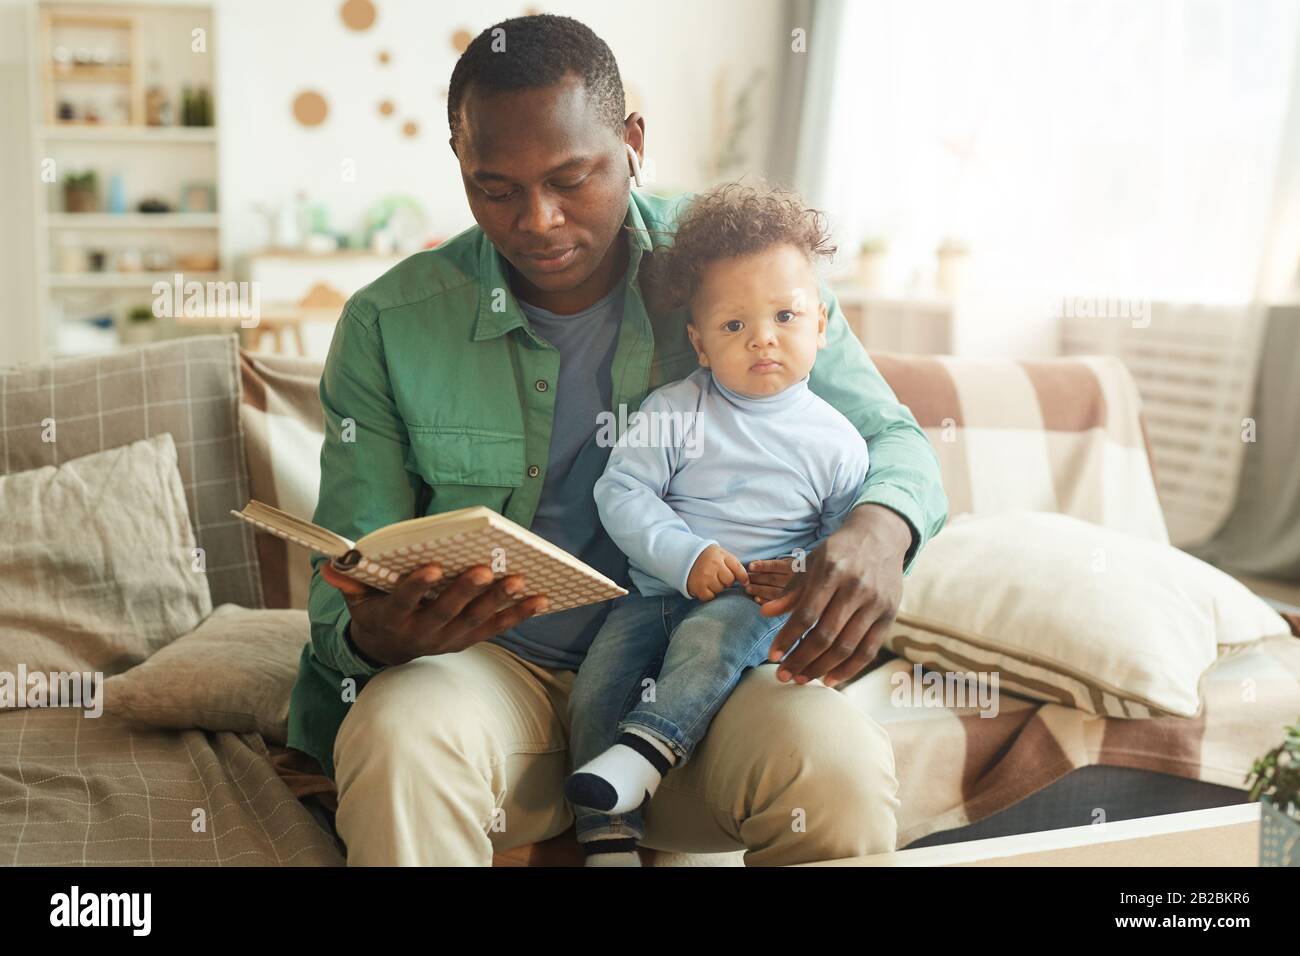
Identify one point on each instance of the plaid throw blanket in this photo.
(78, 791)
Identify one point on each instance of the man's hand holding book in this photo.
(395, 627)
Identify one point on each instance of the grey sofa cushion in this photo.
(188, 387)
(256, 655)
(97, 568)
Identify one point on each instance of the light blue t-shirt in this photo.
(566, 512)
(700, 464)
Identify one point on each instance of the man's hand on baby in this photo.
(397, 627)
(714, 571)
(770, 578)
(842, 608)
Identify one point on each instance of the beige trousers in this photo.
(448, 759)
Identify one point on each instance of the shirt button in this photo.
(533, 471)
(541, 385)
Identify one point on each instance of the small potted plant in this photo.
(871, 263)
(139, 326)
(81, 192)
(1276, 786)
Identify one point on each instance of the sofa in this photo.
(133, 785)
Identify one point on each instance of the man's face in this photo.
(546, 179)
(757, 321)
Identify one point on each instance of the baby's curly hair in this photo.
(734, 220)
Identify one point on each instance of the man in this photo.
(473, 374)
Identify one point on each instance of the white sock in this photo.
(620, 779)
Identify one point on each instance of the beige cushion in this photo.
(97, 561)
(283, 430)
(1073, 613)
(234, 672)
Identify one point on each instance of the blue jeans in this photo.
(664, 665)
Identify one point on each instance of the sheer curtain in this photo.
(1111, 155)
(1124, 151)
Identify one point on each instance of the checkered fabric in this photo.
(188, 387)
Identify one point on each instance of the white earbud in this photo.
(636, 165)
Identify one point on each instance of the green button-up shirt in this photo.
(431, 402)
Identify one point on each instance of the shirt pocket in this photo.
(466, 466)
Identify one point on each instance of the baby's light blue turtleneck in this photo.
(758, 476)
(765, 404)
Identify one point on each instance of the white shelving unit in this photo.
(138, 220)
(146, 43)
(130, 134)
(121, 280)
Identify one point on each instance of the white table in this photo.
(1223, 836)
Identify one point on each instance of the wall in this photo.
(268, 52)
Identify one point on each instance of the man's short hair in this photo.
(537, 51)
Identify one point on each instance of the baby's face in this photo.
(757, 320)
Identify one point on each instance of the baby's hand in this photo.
(714, 570)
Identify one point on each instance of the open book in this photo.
(454, 540)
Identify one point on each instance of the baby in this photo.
(759, 467)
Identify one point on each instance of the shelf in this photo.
(120, 142)
(85, 19)
(106, 133)
(134, 220)
(124, 280)
(91, 74)
(117, 10)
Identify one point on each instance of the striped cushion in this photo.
(186, 387)
(1061, 610)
